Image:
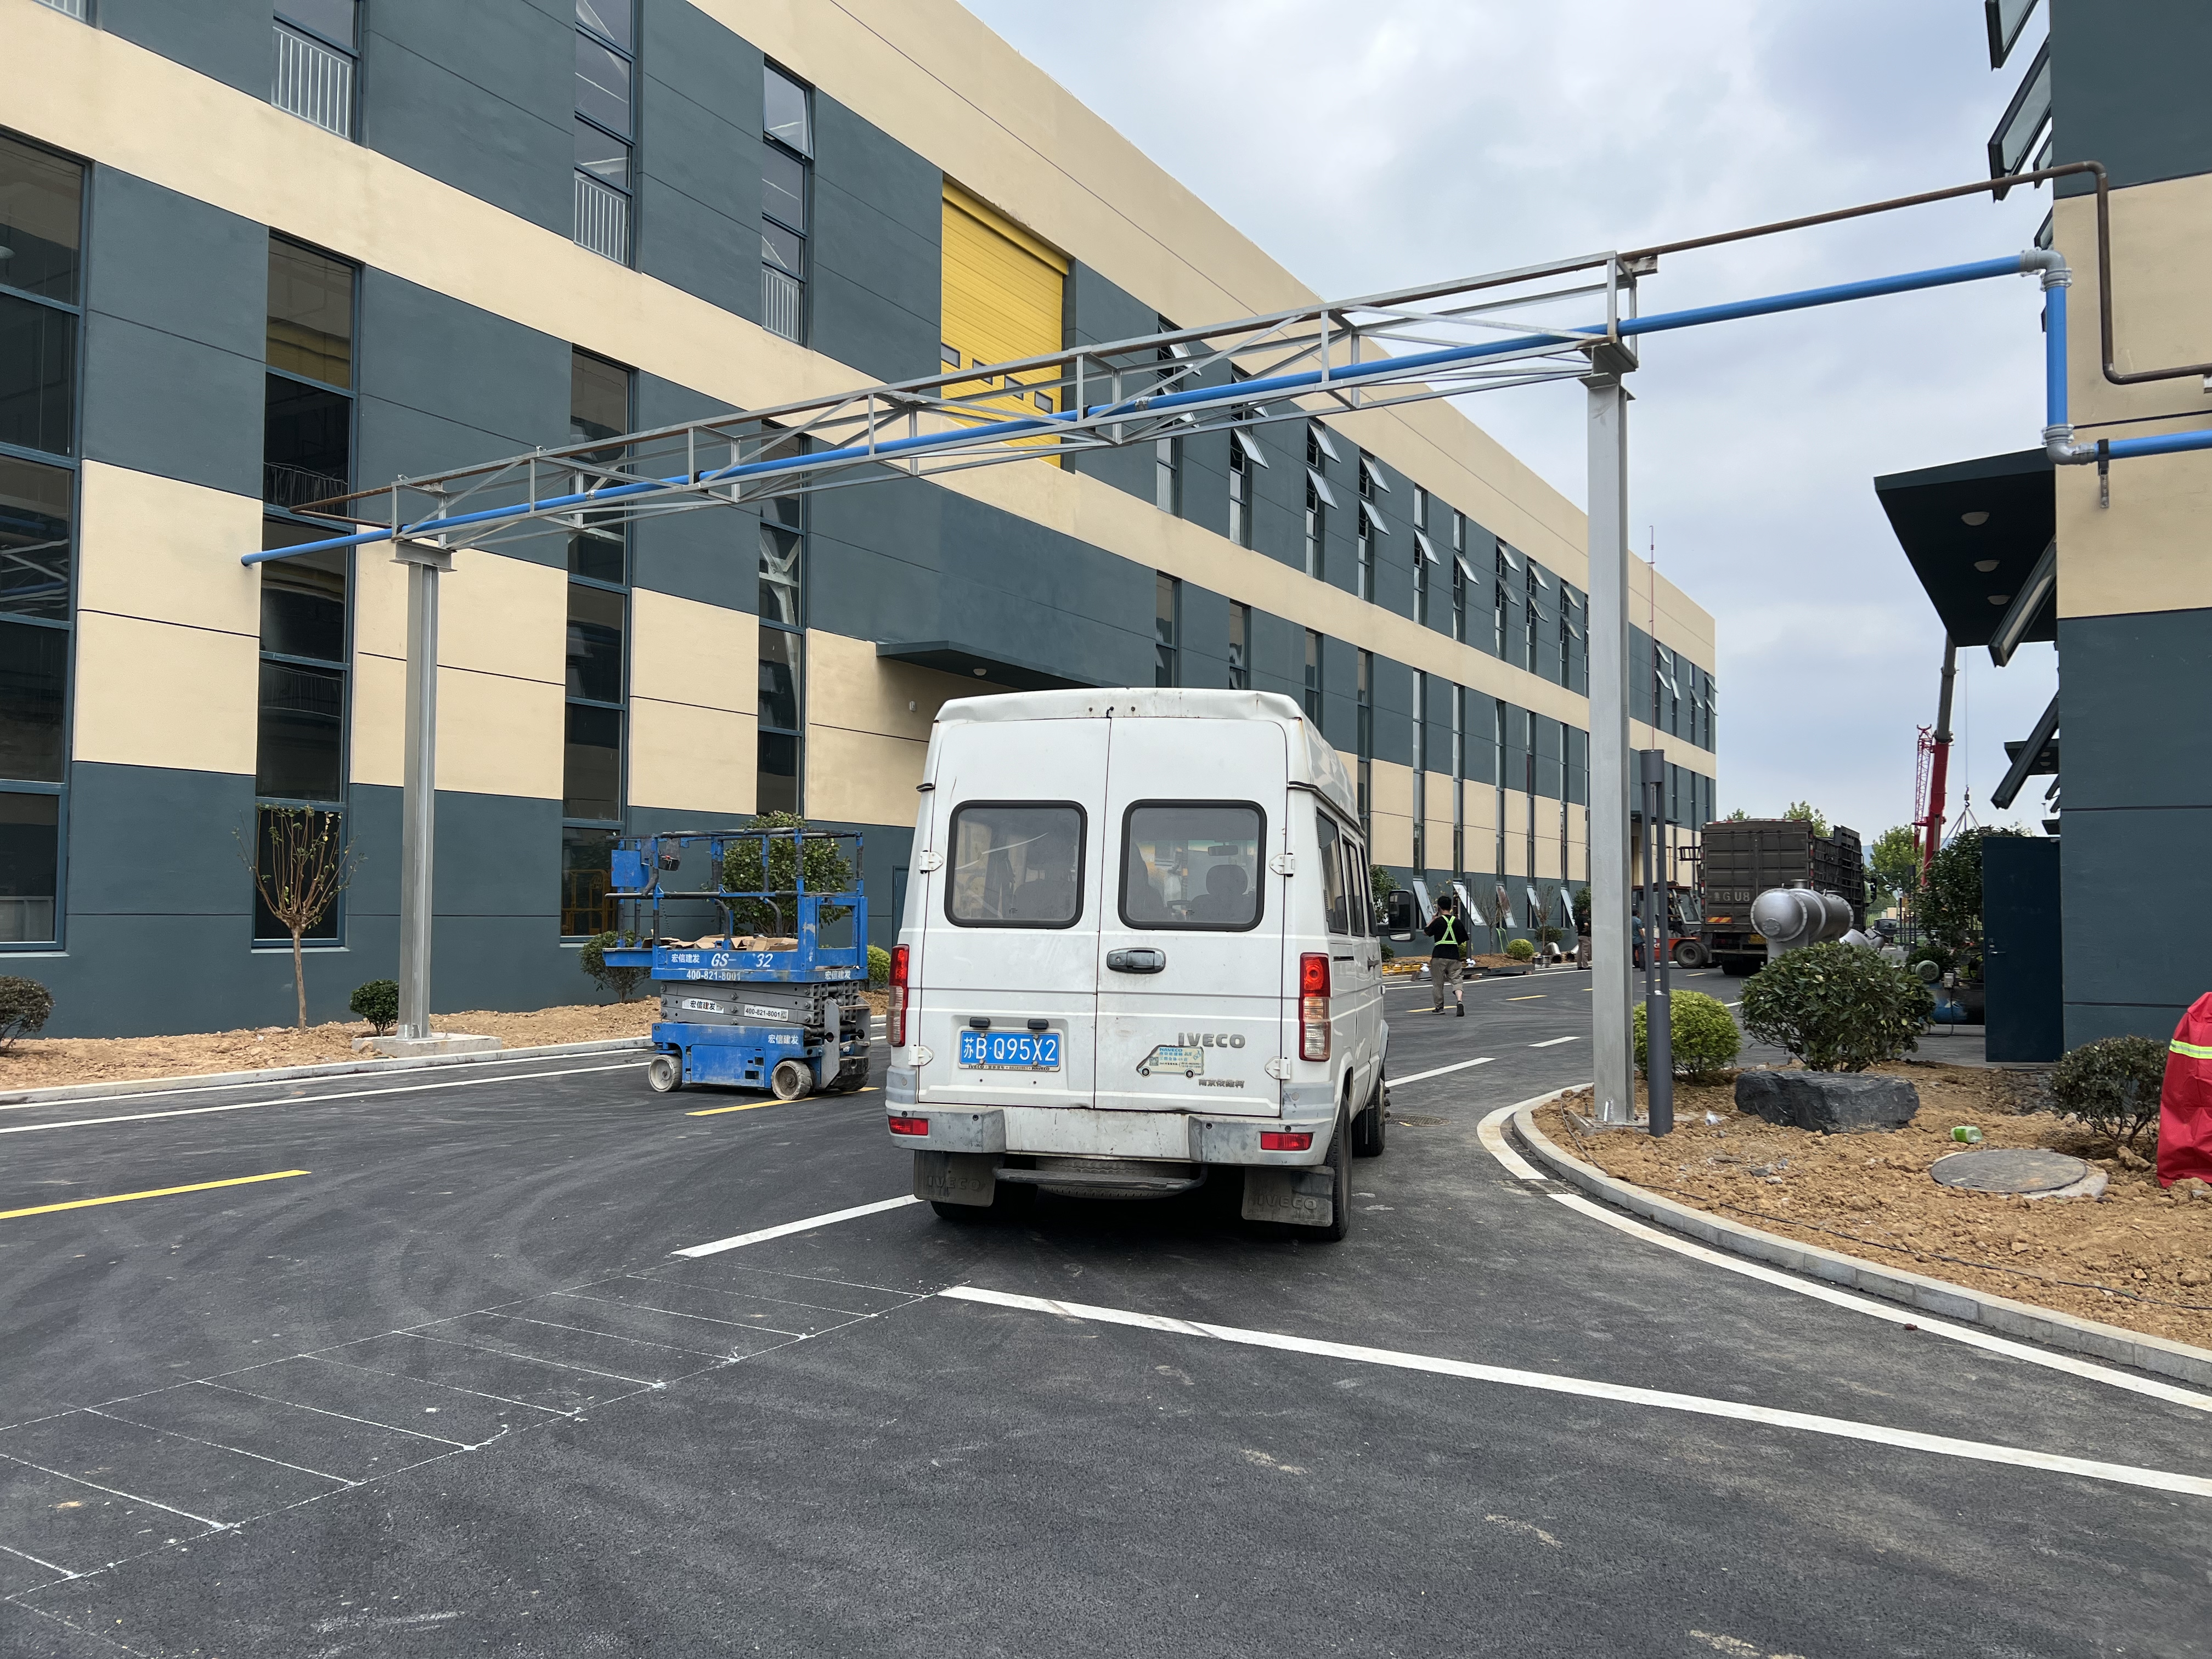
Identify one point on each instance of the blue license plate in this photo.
(1012, 1051)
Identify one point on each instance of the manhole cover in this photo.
(2009, 1170)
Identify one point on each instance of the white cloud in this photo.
(1374, 146)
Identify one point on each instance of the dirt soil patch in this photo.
(52, 1062)
(2139, 1257)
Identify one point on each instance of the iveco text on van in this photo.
(1139, 953)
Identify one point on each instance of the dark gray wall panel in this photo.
(176, 298)
(230, 40)
(877, 278)
(698, 223)
(1204, 640)
(2130, 958)
(480, 96)
(711, 554)
(2136, 720)
(1277, 656)
(1394, 712)
(2127, 88)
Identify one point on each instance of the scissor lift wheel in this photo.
(664, 1074)
(790, 1079)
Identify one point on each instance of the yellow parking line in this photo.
(1533, 996)
(159, 1192)
(755, 1105)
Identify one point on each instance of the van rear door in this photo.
(1190, 1004)
(1008, 973)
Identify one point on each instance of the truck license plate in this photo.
(1010, 1051)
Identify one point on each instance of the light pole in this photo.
(1613, 1094)
(418, 811)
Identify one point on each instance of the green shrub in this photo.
(377, 1002)
(1950, 899)
(827, 871)
(2113, 1085)
(1520, 950)
(24, 1006)
(1700, 1031)
(1837, 1007)
(880, 966)
(1389, 955)
(622, 982)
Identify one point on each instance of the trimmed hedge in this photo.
(2113, 1086)
(1700, 1031)
(377, 1002)
(1837, 1007)
(25, 1006)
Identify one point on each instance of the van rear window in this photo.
(1193, 865)
(1015, 864)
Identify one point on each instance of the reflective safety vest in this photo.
(1449, 938)
(2185, 1104)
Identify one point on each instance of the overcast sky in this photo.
(1371, 146)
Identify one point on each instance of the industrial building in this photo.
(2102, 930)
(252, 259)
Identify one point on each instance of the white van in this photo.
(1139, 954)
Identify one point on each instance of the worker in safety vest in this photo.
(1447, 960)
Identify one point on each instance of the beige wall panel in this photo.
(99, 96)
(380, 603)
(682, 651)
(1393, 839)
(498, 736)
(685, 758)
(378, 752)
(861, 777)
(1392, 786)
(1481, 815)
(167, 552)
(2151, 549)
(2161, 239)
(849, 686)
(501, 616)
(153, 694)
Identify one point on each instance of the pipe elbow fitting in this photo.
(2058, 444)
(2052, 263)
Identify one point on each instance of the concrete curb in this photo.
(148, 1085)
(2021, 1320)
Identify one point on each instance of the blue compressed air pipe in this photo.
(2054, 355)
(1240, 392)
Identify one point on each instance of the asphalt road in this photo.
(447, 1390)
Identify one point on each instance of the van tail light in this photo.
(1313, 1005)
(1286, 1140)
(895, 1017)
(909, 1126)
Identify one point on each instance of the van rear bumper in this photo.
(1075, 1132)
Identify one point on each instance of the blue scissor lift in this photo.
(782, 1012)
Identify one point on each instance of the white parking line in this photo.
(790, 1227)
(314, 1100)
(1457, 1065)
(1942, 1445)
(1553, 1042)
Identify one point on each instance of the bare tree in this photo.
(301, 862)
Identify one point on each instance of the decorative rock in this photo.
(2027, 1170)
(1833, 1103)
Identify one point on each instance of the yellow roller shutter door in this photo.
(1002, 292)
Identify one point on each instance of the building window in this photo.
(782, 655)
(1364, 740)
(1321, 450)
(787, 152)
(1240, 646)
(1420, 774)
(41, 239)
(1369, 526)
(1242, 451)
(1313, 676)
(1167, 475)
(592, 797)
(1167, 618)
(300, 750)
(317, 44)
(1459, 575)
(1421, 582)
(1458, 694)
(605, 121)
(306, 441)
(67, 8)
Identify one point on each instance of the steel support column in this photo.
(419, 812)
(1611, 972)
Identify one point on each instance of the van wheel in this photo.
(1010, 1201)
(791, 1080)
(1339, 1206)
(664, 1074)
(1367, 1129)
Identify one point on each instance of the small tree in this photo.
(622, 982)
(827, 871)
(1892, 866)
(1838, 1007)
(1499, 915)
(1950, 902)
(1803, 812)
(24, 1007)
(377, 1002)
(300, 861)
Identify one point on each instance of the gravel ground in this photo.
(2138, 1257)
(52, 1062)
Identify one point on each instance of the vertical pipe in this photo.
(418, 806)
(2054, 353)
(1938, 769)
(1611, 971)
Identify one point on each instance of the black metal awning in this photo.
(1975, 532)
(991, 670)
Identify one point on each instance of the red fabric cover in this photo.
(2184, 1105)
